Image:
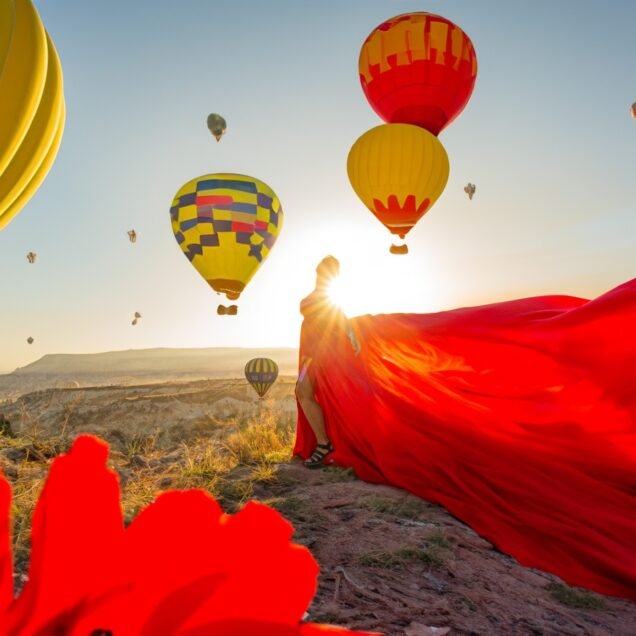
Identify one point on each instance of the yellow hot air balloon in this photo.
(261, 373)
(398, 171)
(32, 111)
(226, 224)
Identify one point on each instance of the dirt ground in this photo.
(394, 563)
(390, 562)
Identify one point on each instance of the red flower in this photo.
(181, 568)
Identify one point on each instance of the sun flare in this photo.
(384, 285)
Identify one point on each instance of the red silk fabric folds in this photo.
(518, 417)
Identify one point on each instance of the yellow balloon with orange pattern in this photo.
(398, 171)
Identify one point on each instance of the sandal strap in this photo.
(319, 455)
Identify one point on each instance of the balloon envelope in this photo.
(633, 110)
(398, 171)
(32, 108)
(261, 373)
(418, 68)
(217, 125)
(226, 225)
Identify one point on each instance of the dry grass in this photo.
(402, 558)
(267, 439)
(227, 461)
(572, 597)
(406, 508)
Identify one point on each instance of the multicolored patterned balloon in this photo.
(226, 224)
(261, 373)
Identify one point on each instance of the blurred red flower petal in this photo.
(182, 567)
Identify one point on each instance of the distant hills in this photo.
(139, 366)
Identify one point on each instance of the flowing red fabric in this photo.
(519, 417)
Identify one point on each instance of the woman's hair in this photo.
(328, 267)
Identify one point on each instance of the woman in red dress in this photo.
(518, 417)
(322, 320)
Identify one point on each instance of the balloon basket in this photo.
(222, 310)
(399, 249)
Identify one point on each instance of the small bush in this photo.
(265, 439)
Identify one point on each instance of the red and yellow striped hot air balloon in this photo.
(418, 68)
(398, 171)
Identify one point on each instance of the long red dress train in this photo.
(518, 417)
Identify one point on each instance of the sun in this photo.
(337, 293)
(385, 283)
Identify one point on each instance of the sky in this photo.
(547, 138)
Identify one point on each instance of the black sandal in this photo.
(319, 455)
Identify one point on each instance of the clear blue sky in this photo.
(547, 138)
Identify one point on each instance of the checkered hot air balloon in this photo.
(226, 225)
(261, 373)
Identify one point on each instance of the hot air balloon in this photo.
(136, 318)
(31, 257)
(398, 171)
(633, 110)
(261, 373)
(418, 68)
(32, 108)
(217, 126)
(30, 340)
(132, 236)
(226, 225)
(470, 190)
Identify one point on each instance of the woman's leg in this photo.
(311, 409)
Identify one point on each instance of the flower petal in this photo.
(184, 536)
(6, 561)
(240, 627)
(77, 527)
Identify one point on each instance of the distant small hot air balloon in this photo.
(30, 340)
(470, 190)
(261, 373)
(217, 125)
(132, 236)
(633, 110)
(31, 257)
